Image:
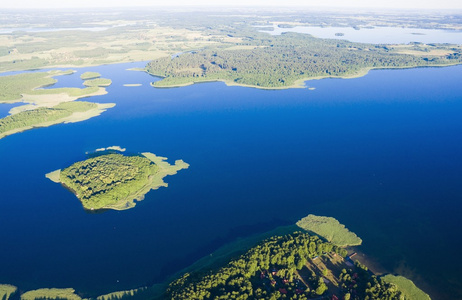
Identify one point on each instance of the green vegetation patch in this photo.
(408, 288)
(115, 181)
(13, 86)
(90, 75)
(7, 290)
(272, 270)
(282, 61)
(330, 229)
(98, 82)
(43, 115)
(68, 294)
(73, 92)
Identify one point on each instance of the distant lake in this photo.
(381, 153)
(378, 35)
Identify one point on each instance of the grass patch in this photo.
(98, 82)
(73, 92)
(12, 87)
(7, 290)
(68, 294)
(42, 116)
(90, 75)
(330, 229)
(407, 287)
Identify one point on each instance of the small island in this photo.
(115, 181)
(90, 75)
(98, 82)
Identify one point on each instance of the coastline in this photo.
(154, 182)
(299, 83)
(75, 117)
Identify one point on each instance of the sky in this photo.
(390, 4)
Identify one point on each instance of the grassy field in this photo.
(73, 92)
(409, 289)
(90, 75)
(12, 87)
(330, 229)
(98, 82)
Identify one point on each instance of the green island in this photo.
(330, 229)
(98, 82)
(284, 263)
(90, 75)
(115, 181)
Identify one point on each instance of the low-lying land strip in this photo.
(330, 229)
(98, 82)
(90, 75)
(66, 112)
(45, 107)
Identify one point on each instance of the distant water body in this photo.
(378, 35)
(381, 153)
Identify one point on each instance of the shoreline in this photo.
(299, 83)
(74, 118)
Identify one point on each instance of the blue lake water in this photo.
(379, 35)
(381, 153)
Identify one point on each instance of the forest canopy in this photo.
(115, 181)
(281, 61)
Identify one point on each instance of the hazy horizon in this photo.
(392, 4)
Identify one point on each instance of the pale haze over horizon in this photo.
(390, 4)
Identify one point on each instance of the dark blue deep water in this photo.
(381, 153)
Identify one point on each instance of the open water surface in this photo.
(378, 35)
(381, 153)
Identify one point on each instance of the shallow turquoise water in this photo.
(381, 153)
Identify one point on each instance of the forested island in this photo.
(115, 181)
(291, 58)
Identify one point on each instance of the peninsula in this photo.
(46, 107)
(290, 263)
(115, 181)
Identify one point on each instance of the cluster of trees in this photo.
(267, 271)
(42, 115)
(359, 284)
(107, 179)
(281, 60)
